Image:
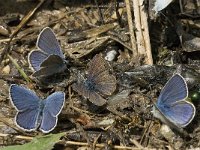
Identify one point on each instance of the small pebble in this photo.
(167, 133)
(4, 31)
(6, 70)
(111, 55)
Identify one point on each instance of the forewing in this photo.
(180, 113)
(27, 119)
(91, 95)
(96, 66)
(98, 73)
(105, 83)
(174, 90)
(36, 58)
(22, 98)
(52, 65)
(53, 106)
(48, 43)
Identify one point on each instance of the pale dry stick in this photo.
(21, 71)
(6, 40)
(145, 31)
(181, 6)
(138, 31)
(22, 23)
(136, 143)
(102, 146)
(28, 138)
(95, 142)
(198, 4)
(146, 131)
(131, 29)
(17, 137)
(81, 111)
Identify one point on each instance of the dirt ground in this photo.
(86, 28)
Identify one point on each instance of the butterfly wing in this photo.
(180, 113)
(48, 43)
(52, 65)
(105, 83)
(53, 106)
(96, 66)
(36, 58)
(171, 102)
(174, 90)
(98, 72)
(26, 102)
(91, 95)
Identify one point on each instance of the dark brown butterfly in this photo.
(98, 81)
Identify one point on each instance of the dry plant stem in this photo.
(131, 28)
(99, 30)
(95, 142)
(102, 146)
(22, 23)
(145, 31)
(138, 26)
(181, 6)
(17, 137)
(80, 110)
(26, 18)
(136, 143)
(99, 12)
(28, 138)
(146, 132)
(21, 71)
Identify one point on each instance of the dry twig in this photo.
(145, 32)
(131, 29)
(22, 23)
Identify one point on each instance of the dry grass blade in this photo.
(131, 29)
(22, 23)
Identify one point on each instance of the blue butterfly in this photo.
(98, 81)
(49, 59)
(32, 112)
(172, 107)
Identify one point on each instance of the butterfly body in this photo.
(48, 59)
(90, 85)
(172, 106)
(32, 112)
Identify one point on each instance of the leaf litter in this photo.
(84, 29)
